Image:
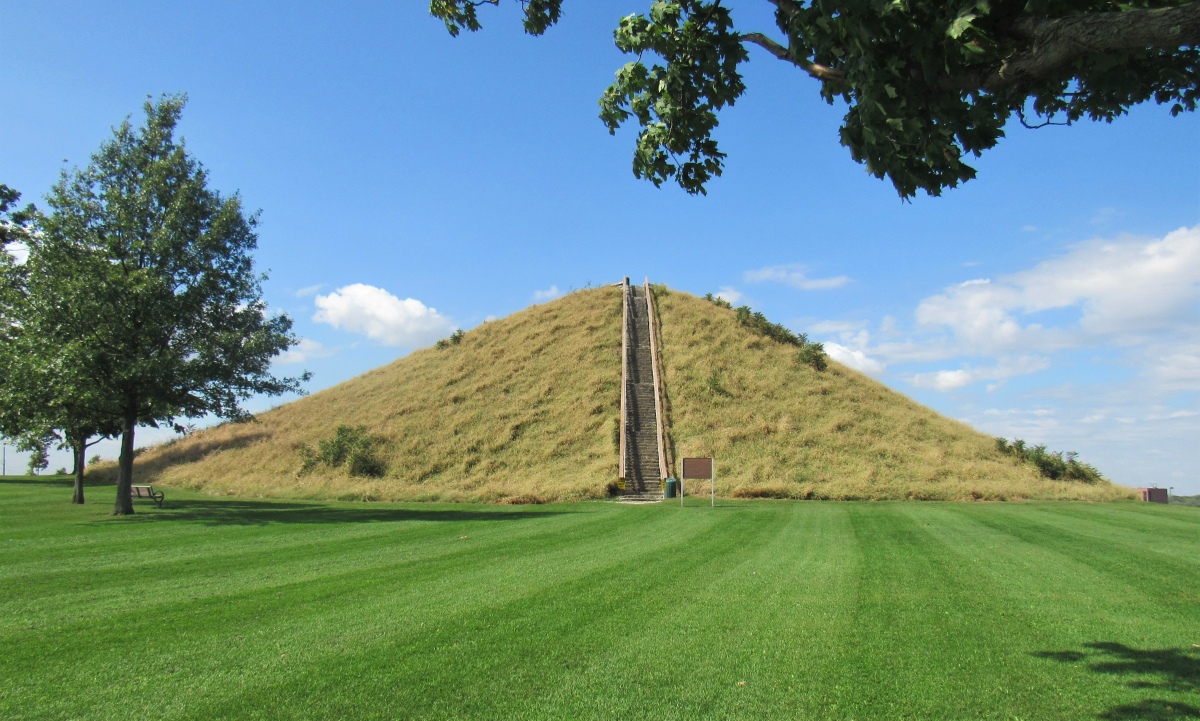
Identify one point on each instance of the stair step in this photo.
(643, 480)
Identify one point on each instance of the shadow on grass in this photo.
(1163, 669)
(263, 513)
(178, 451)
(52, 480)
(1152, 710)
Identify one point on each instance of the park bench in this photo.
(148, 492)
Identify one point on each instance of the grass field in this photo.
(234, 608)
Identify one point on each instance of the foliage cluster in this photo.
(1193, 501)
(138, 303)
(1057, 466)
(925, 83)
(39, 459)
(810, 353)
(454, 339)
(352, 447)
(757, 322)
(718, 301)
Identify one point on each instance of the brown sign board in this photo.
(698, 468)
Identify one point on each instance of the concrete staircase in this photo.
(643, 472)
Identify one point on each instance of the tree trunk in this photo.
(79, 449)
(124, 505)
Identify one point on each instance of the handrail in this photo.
(624, 367)
(658, 404)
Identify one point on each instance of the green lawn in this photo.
(236, 608)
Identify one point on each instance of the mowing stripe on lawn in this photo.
(218, 607)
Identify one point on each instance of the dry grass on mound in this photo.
(780, 429)
(524, 410)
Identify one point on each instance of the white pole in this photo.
(713, 477)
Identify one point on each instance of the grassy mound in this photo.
(780, 429)
(520, 410)
(525, 409)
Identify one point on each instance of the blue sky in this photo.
(411, 183)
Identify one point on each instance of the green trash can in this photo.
(672, 488)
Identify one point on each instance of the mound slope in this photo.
(525, 409)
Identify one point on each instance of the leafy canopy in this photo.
(141, 305)
(926, 83)
(149, 271)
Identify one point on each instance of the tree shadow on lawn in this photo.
(263, 513)
(178, 451)
(1166, 669)
(52, 479)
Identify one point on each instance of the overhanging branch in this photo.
(820, 72)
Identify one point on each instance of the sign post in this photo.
(700, 469)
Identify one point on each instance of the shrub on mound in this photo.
(351, 446)
(1057, 466)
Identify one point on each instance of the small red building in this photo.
(1154, 495)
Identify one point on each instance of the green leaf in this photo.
(961, 24)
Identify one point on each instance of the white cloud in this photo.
(948, 380)
(304, 350)
(378, 314)
(729, 294)
(943, 380)
(1175, 366)
(549, 294)
(1122, 290)
(1009, 412)
(854, 358)
(1103, 215)
(309, 290)
(840, 327)
(1172, 416)
(794, 275)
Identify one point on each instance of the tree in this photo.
(141, 285)
(48, 395)
(926, 82)
(39, 460)
(45, 397)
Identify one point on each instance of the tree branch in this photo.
(1056, 43)
(820, 72)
